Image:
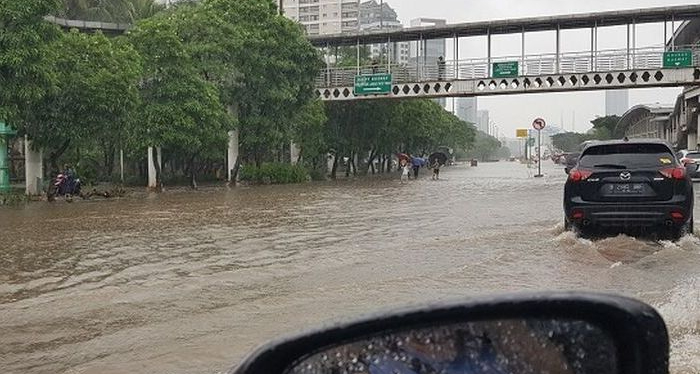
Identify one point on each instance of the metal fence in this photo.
(529, 65)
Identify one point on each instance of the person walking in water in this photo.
(436, 170)
(416, 162)
(405, 170)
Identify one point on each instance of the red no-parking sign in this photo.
(538, 124)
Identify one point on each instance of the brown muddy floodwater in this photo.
(189, 282)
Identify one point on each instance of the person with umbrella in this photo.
(437, 160)
(416, 162)
(436, 170)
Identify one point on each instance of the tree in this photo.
(94, 99)
(605, 127)
(119, 11)
(25, 58)
(485, 147)
(181, 110)
(261, 62)
(569, 141)
(380, 128)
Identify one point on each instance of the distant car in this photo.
(691, 160)
(633, 184)
(570, 160)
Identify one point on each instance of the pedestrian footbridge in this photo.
(611, 69)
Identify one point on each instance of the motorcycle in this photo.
(64, 185)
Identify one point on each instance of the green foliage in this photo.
(484, 148)
(181, 110)
(503, 153)
(569, 141)
(604, 128)
(274, 173)
(95, 95)
(25, 57)
(118, 11)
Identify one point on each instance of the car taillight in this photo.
(673, 173)
(577, 175)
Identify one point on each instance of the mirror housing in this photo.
(639, 333)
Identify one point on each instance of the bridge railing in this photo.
(531, 65)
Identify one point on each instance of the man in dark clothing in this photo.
(416, 163)
(441, 68)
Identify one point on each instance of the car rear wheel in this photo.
(686, 229)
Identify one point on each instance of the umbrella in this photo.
(440, 157)
(417, 161)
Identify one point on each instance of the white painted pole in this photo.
(522, 52)
(488, 52)
(121, 165)
(33, 169)
(629, 55)
(152, 183)
(558, 65)
(294, 153)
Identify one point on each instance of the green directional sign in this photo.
(678, 59)
(507, 69)
(373, 84)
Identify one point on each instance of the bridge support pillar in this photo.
(33, 168)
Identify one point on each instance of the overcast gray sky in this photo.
(517, 111)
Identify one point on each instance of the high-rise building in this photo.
(482, 120)
(321, 17)
(376, 15)
(426, 54)
(431, 50)
(466, 109)
(617, 102)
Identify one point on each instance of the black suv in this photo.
(636, 184)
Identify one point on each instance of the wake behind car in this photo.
(636, 184)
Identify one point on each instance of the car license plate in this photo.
(627, 188)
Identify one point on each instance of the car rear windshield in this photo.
(627, 156)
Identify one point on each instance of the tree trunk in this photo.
(55, 155)
(370, 163)
(335, 167)
(108, 159)
(159, 176)
(193, 173)
(348, 165)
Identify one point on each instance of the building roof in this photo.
(512, 26)
(639, 112)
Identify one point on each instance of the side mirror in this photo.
(567, 170)
(542, 333)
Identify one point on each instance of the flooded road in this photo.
(189, 282)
